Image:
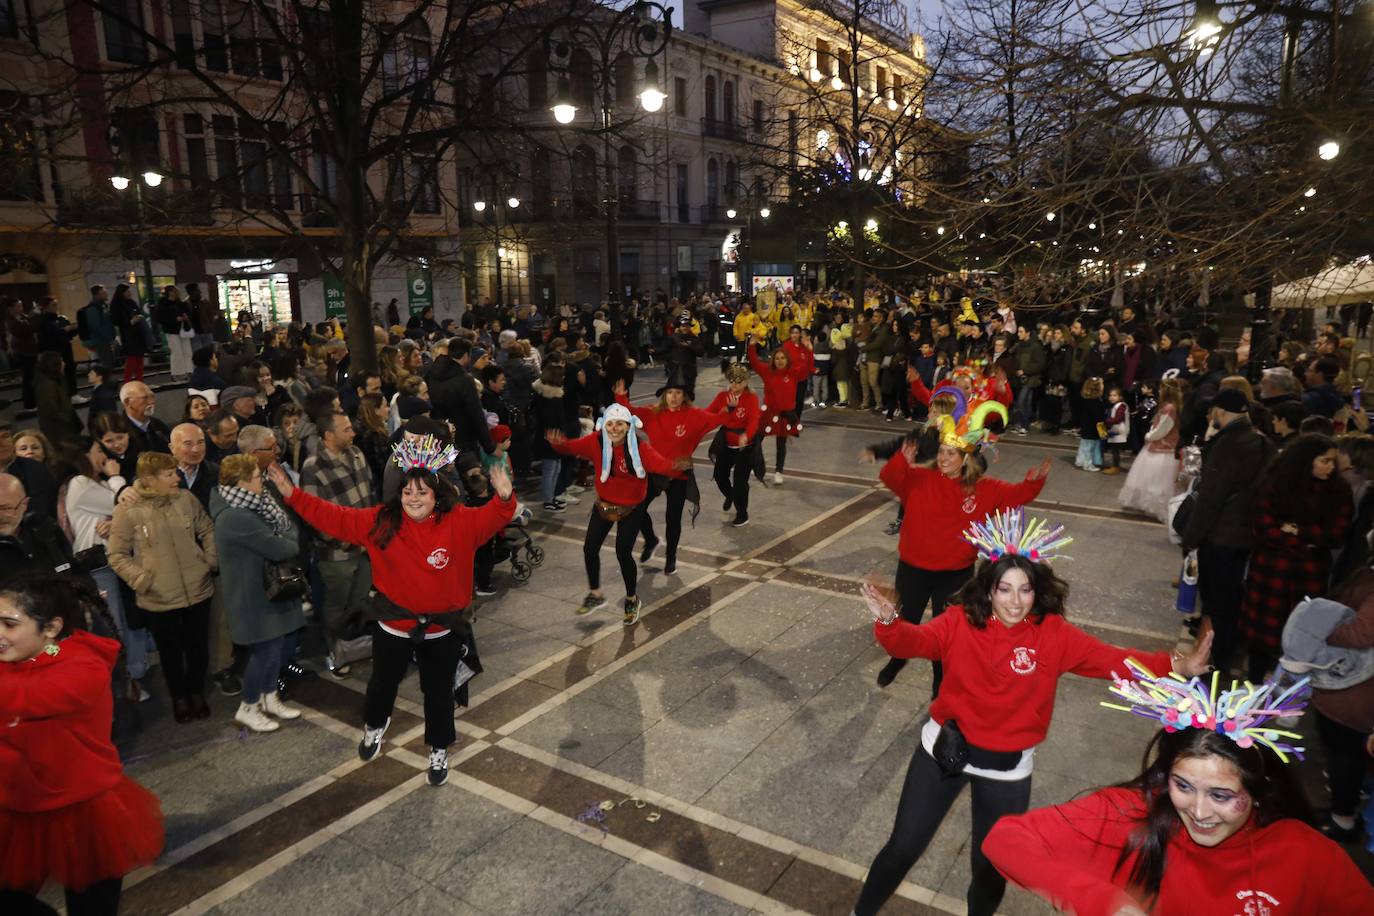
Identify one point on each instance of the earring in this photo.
(51, 648)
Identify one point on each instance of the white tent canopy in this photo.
(1335, 286)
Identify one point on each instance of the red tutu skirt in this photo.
(781, 423)
(117, 832)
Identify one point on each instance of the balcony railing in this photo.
(644, 211)
(722, 130)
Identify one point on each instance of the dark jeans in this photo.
(1113, 454)
(265, 661)
(672, 521)
(927, 796)
(1220, 582)
(918, 587)
(438, 660)
(1346, 760)
(183, 646)
(626, 531)
(732, 476)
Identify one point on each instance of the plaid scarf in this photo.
(262, 505)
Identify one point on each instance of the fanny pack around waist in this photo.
(953, 752)
(613, 512)
(380, 607)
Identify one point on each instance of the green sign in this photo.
(419, 289)
(335, 301)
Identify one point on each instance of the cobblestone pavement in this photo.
(729, 754)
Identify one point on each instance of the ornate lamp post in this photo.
(123, 183)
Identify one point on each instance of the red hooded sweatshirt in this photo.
(1068, 853)
(779, 385)
(803, 359)
(675, 434)
(1000, 681)
(743, 418)
(427, 567)
(938, 511)
(622, 486)
(55, 714)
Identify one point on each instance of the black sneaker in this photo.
(728, 505)
(740, 521)
(371, 745)
(670, 566)
(554, 507)
(228, 683)
(647, 553)
(438, 766)
(889, 672)
(486, 591)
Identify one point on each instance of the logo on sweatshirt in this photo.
(1255, 903)
(621, 466)
(438, 559)
(681, 430)
(969, 505)
(1022, 660)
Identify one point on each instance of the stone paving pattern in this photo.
(742, 711)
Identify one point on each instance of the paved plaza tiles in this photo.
(730, 754)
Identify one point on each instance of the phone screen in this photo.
(1356, 398)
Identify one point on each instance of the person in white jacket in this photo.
(89, 493)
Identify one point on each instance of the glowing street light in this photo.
(1329, 150)
(1310, 192)
(765, 213)
(652, 97)
(479, 205)
(513, 202)
(836, 82)
(120, 182)
(871, 225)
(152, 179)
(1049, 217)
(731, 213)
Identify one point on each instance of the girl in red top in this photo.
(938, 504)
(67, 811)
(736, 458)
(781, 408)
(621, 464)
(1209, 827)
(803, 356)
(1006, 646)
(675, 428)
(422, 544)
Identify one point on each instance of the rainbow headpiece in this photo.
(1243, 713)
(968, 432)
(426, 453)
(1003, 533)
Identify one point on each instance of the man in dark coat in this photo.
(55, 333)
(30, 540)
(1220, 526)
(454, 396)
(196, 474)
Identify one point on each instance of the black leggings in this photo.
(437, 659)
(672, 521)
(732, 476)
(1346, 760)
(918, 587)
(98, 899)
(927, 796)
(626, 531)
(781, 454)
(182, 637)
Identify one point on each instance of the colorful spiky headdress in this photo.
(1009, 532)
(426, 453)
(1244, 713)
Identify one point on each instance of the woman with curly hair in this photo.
(1005, 645)
(1302, 509)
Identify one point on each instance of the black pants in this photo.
(672, 520)
(1220, 583)
(1113, 454)
(1346, 760)
(99, 899)
(732, 476)
(918, 587)
(438, 660)
(626, 531)
(780, 454)
(484, 564)
(26, 363)
(183, 647)
(927, 796)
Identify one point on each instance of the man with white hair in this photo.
(1277, 385)
(149, 433)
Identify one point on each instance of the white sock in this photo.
(1345, 823)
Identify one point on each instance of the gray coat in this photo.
(1306, 651)
(246, 543)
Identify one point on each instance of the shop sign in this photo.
(419, 289)
(335, 301)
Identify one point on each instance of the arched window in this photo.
(728, 93)
(712, 184)
(710, 100)
(581, 83)
(732, 187)
(625, 81)
(584, 180)
(627, 175)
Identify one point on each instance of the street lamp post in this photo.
(481, 206)
(640, 30)
(122, 183)
(755, 203)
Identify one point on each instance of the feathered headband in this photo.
(1003, 533)
(1243, 713)
(427, 453)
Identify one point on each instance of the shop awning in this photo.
(1335, 286)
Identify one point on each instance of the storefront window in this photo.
(268, 297)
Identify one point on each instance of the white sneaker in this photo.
(777, 478)
(273, 705)
(251, 717)
(568, 499)
(574, 489)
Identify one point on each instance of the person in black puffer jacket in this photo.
(454, 394)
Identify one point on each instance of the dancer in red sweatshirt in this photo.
(675, 428)
(738, 453)
(422, 543)
(1005, 647)
(1215, 824)
(939, 503)
(621, 465)
(781, 409)
(68, 813)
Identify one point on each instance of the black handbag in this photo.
(1184, 512)
(284, 580)
(951, 749)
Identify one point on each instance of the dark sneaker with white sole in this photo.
(371, 745)
(438, 766)
(648, 552)
(592, 603)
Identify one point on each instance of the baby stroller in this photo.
(512, 541)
